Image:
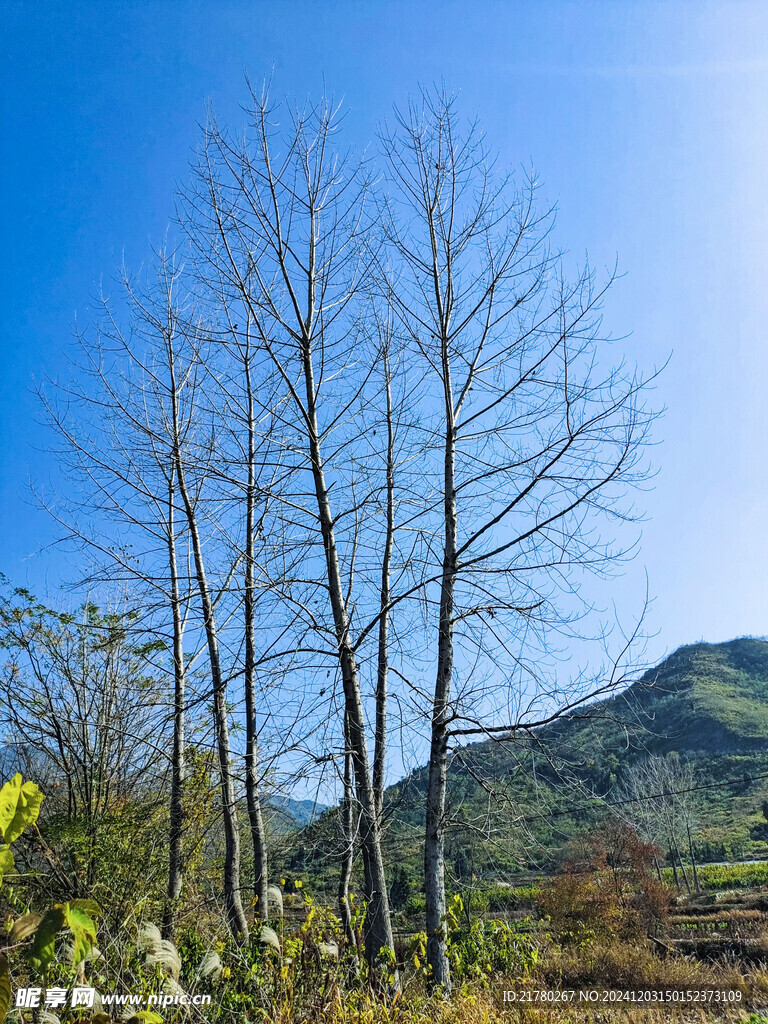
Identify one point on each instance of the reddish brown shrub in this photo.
(606, 889)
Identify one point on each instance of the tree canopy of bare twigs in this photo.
(371, 432)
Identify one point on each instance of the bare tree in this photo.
(657, 797)
(130, 428)
(248, 476)
(178, 757)
(382, 666)
(279, 223)
(235, 912)
(258, 836)
(538, 435)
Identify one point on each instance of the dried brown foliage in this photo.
(605, 889)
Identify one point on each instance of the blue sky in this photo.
(646, 121)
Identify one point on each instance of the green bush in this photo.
(492, 949)
(508, 897)
(417, 903)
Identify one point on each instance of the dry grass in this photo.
(615, 966)
(484, 1008)
(637, 966)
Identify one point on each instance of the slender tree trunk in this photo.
(234, 907)
(434, 840)
(378, 924)
(235, 912)
(175, 852)
(674, 872)
(379, 754)
(255, 817)
(696, 885)
(347, 830)
(682, 868)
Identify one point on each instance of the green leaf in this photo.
(91, 907)
(82, 927)
(23, 927)
(44, 946)
(5, 987)
(19, 807)
(6, 861)
(146, 1017)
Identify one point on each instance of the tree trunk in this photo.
(234, 907)
(347, 831)
(434, 840)
(379, 753)
(674, 871)
(176, 852)
(682, 868)
(696, 885)
(235, 913)
(256, 820)
(378, 925)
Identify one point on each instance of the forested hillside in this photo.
(515, 802)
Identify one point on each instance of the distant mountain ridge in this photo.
(703, 698)
(707, 703)
(287, 813)
(512, 805)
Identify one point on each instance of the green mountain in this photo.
(285, 813)
(706, 705)
(516, 802)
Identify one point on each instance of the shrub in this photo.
(417, 904)
(511, 897)
(606, 889)
(492, 949)
(20, 803)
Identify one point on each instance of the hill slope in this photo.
(514, 804)
(707, 703)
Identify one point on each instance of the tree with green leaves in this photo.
(84, 709)
(36, 932)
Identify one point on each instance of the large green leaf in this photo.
(19, 807)
(44, 945)
(83, 928)
(91, 907)
(6, 861)
(77, 916)
(5, 987)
